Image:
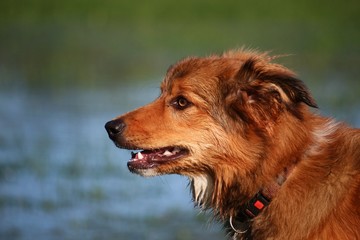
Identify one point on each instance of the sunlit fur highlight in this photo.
(249, 119)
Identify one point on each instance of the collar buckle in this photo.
(256, 205)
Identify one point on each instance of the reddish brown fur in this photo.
(248, 120)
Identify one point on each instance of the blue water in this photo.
(62, 178)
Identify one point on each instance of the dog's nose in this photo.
(114, 128)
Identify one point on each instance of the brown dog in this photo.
(240, 128)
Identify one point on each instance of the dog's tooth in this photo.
(167, 153)
(140, 156)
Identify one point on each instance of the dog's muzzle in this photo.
(115, 128)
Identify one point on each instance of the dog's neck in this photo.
(202, 187)
(240, 223)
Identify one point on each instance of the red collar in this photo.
(241, 222)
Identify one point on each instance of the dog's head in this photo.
(213, 115)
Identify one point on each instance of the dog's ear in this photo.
(265, 89)
(277, 78)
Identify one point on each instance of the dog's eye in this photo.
(181, 103)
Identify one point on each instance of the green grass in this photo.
(95, 43)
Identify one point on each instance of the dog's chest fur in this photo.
(202, 189)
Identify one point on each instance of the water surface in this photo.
(62, 178)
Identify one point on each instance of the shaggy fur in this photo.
(232, 124)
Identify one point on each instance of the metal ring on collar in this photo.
(232, 226)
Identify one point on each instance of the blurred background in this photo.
(67, 67)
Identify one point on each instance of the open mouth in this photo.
(147, 159)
